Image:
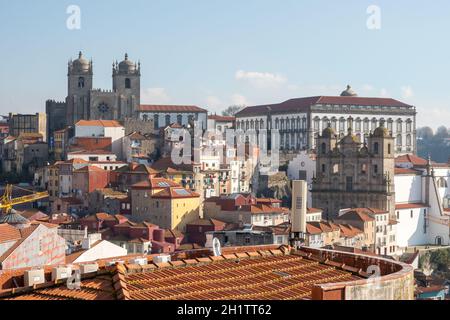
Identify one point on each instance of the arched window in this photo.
(358, 124)
(80, 82)
(261, 125)
(408, 125)
(374, 123)
(399, 140)
(334, 124)
(325, 122)
(389, 148)
(376, 148)
(167, 119)
(277, 124)
(324, 148)
(145, 117)
(341, 125)
(408, 140)
(127, 83)
(399, 125)
(390, 124)
(156, 120)
(366, 125)
(317, 124)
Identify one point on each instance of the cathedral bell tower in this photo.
(80, 76)
(127, 84)
(381, 146)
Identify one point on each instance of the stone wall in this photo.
(136, 125)
(395, 281)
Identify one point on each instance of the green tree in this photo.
(232, 110)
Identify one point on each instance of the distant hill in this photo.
(436, 145)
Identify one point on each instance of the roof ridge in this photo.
(119, 282)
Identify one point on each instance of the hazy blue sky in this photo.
(215, 53)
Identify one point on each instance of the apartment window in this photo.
(412, 214)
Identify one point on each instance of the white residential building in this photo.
(164, 115)
(422, 202)
(300, 120)
(102, 128)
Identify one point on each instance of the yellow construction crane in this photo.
(7, 201)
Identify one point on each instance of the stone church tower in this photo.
(350, 174)
(84, 102)
(127, 84)
(80, 76)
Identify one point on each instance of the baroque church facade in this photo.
(352, 174)
(85, 102)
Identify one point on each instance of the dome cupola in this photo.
(348, 92)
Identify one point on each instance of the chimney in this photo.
(298, 213)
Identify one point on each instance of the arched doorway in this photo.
(439, 241)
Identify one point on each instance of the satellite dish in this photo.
(216, 247)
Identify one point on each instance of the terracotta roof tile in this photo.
(170, 108)
(9, 233)
(401, 206)
(99, 123)
(305, 104)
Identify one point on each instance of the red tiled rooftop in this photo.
(405, 171)
(410, 158)
(99, 123)
(400, 206)
(305, 104)
(244, 273)
(170, 108)
(8, 233)
(222, 118)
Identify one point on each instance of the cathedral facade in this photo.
(350, 174)
(85, 102)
